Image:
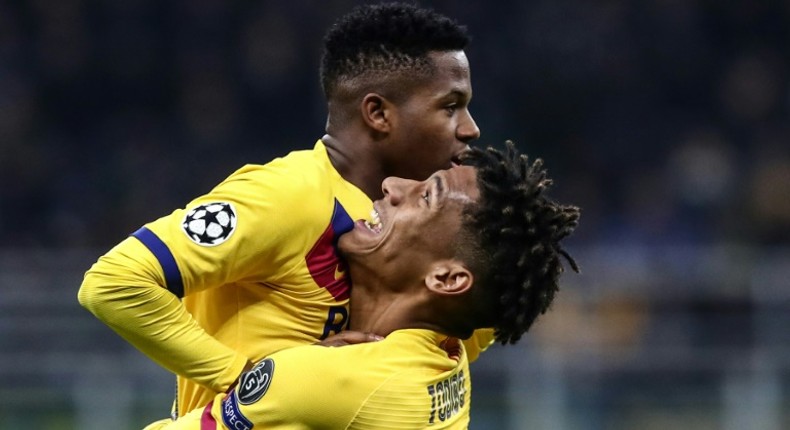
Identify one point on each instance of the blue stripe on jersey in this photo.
(341, 221)
(166, 259)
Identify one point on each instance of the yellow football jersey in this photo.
(413, 379)
(254, 260)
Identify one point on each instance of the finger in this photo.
(350, 338)
(353, 337)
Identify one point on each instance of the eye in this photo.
(426, 195)
(451, 109)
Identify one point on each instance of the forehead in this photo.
(460, 183)
(450, 73)
(453, 63)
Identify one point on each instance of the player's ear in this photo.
(449, 277)
(377, 112)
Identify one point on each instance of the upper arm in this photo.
(259, 239)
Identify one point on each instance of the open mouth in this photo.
(374, 225)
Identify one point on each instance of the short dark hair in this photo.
(382, 38)
(513, 239)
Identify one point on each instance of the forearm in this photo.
(155, 321)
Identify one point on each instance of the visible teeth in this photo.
(375, 218)
(374, 224)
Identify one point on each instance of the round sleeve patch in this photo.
(210, 224)
(253, 384)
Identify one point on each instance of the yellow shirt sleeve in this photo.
(128, 287)
(406, 381)
(378, 385)
(124, 290)
(298, 388)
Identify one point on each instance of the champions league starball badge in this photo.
(210, 224)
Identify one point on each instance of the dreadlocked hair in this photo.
(518, 231)
(382, 38)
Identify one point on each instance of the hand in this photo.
(349, 338)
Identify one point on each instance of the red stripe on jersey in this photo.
(323, 261)
(207, 422)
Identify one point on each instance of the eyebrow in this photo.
(463, 94)
(457, 93)
(439, 186)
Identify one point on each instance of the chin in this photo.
(345, 246)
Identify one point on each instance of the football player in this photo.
(473, 246)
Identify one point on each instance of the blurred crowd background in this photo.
(667, 121)
(664, 119)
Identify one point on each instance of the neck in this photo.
(381, 311)
(356, 161)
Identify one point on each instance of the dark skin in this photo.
(349, 337)
(371, 137)
(405, 271)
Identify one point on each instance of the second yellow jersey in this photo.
(413, 379)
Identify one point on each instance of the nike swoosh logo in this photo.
(339, 273)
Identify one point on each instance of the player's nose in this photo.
(394, 189)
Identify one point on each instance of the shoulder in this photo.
(357, 367)
(292, 187)
(298, 169)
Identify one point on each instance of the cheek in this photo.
(432, 241)
(434, 140)
(432, 125)
(426, 145)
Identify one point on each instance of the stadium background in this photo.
(666, 120)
